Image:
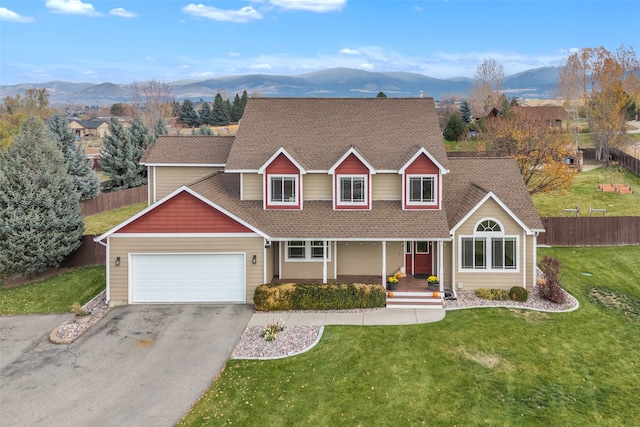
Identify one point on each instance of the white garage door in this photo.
(187, 278)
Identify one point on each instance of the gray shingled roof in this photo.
(188, 150)
(386, 219)
(318, 132)
(543, 112)
(472, 178)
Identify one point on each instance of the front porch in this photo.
(412, 291)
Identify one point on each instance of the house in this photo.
(93, 127)
(553, 115)
(321, 190)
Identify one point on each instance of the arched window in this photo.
(489, 249)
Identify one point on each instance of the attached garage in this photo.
(184, 278)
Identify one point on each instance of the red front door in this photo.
(419, 257)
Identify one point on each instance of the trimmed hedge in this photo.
(308, 296)
(518, 293)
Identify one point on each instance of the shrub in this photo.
(492, 294)
(484, 293)
(307, 296)
(518, 293)
(551, 291)
(270, 331)
(550, 268)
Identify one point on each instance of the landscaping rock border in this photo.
(70, 330)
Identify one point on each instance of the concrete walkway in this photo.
(380, 316)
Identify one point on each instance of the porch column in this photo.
(324, 260)
(441, 264)
(384, 263)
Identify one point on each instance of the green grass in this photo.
(55, 294)
(105, 221)
(584, 192)
(493, 367)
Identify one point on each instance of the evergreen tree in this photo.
(87, 182)
(118, 158)
(160, 128)
(243, 102)
(203, 130)
(204, 114)
(188, 114)
(381, 95)
(454, 129)
(40, 221)
(236, 109)
(465, 112)
(220, 113)
(141, 138)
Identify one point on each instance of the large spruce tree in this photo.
(40, 221)
(87, 182)
(119, 159)
(220, 112)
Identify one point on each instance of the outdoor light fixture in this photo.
(118, 261)
(254, 259)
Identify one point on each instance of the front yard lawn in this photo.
(53, 295)
(585, 193)
(498, 367)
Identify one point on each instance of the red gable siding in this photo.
(281, 165)
(422, 165)
(184, 213)
(352, 166)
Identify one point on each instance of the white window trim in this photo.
(307, 251)
(365, 190)
(407, 195)
(488, 235)
(296, 190)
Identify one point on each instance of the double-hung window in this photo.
(352, 190)
(306, 250)
(489, 249)
(421, 190)
(283, 189)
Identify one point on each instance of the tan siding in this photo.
(123, 246)
(386, 186)
(447, 264)
(169, 178)
(497, 280)
(304, 270)
(252, 186)
(269, 262)
(360, 258)
(317, 186)
(395, 258)
(150, 181)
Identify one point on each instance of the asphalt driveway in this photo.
(140, 365)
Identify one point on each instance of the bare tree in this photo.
(487, 86)
(152, 100)
(602, 83)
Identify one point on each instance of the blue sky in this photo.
(135, 40)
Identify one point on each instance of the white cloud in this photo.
(71, 7)
(347, 51)
(122, 13)
(234, 54)
(260, 67)
(203, 75)
(310, 5)
(9, 15)
(366, 66)
(246, 14)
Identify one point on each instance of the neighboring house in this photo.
(321, 190)
(93, 127)
(487, 114)
(551, 114)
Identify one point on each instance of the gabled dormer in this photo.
(422, 182)
(351, 181)
(282, 181)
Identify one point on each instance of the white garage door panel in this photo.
(187, 277)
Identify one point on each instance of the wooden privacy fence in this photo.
(627, 161)
(590, 231)
(89, 253)
(114, 200)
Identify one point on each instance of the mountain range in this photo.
(538, 83)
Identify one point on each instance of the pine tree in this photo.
(188, 114)
(220, 113)
(40, 221)
(236, 109)
(203, 130)
(454, 129)
(160, 128)
(141, 138)
(381, 95)
(204, 114)
(118, 158)
(465, 112)
(87, 182)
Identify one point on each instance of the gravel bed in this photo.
(290, 341)
(468, 299)
(70, 330)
